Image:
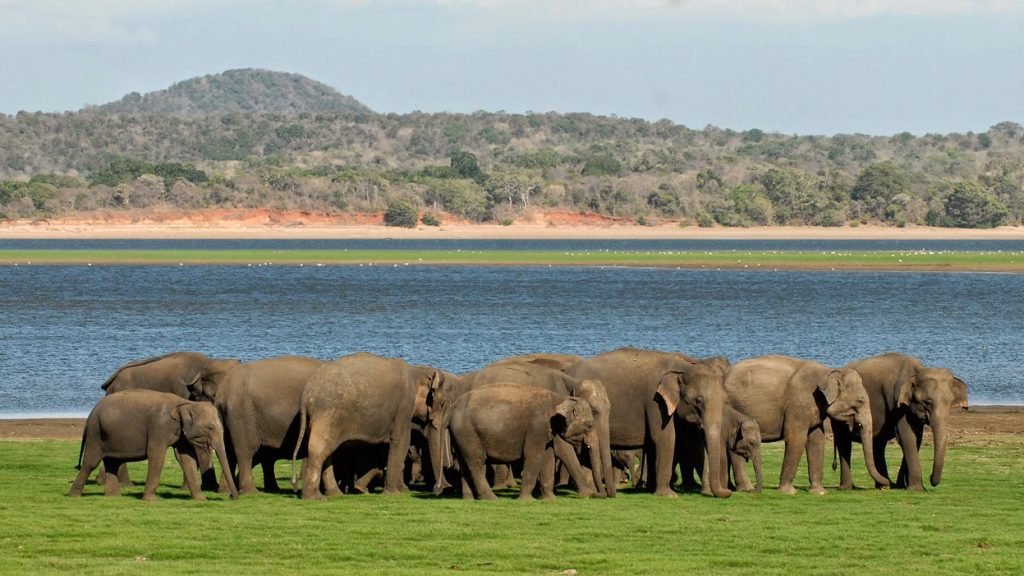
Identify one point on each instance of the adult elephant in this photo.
(259, 402)
(905, 396)
(134, 425)
(171, 373)
(790, 399)
(507, 422)
(362, 398)
(525, 370)
(547, 360)
(646, 389)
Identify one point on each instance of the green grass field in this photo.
(972, 524)
(888, 260)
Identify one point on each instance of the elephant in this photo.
(172, 373)
(742, 442)
(135, 425)
(259, 402)
(905, 395)
(647, 389)
(361, 398)
(560, 362)
(790, 399)
(505, 422)
(525, 371)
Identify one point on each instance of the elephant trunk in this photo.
(436, 446)
(226, 472)
(867, 429)
(715, 446)
(597, 466)
(940, 433)
(758, 478)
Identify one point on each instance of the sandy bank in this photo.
(266, 224)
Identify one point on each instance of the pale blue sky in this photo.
(793, 66)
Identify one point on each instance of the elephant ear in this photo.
(830, 386)
(907, 391)
(183, 414)
(959, 394)
(668, 389)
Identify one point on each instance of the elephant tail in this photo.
(81, 449)
(298, 444)
(835, 456)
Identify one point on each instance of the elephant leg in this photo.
(880, 463)
(909, 437)
(816, 460)
(843, 439)
(567, 455)
(664, 440)
(477, 472)
(318, 453)
(329, 479)
(122, 476)
(111, 486)
(534, 454)
(547, 475)
(739, 472)
(796, 440)
(190, 467)
(155, 455)
(90, 460)
(269, 477)
(362, 483)
(503, 477)
(209, 473)
(394, 475)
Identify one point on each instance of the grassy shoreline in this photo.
(795, 260)
(973, 523)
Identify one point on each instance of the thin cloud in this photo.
(86, 21)
(752, 9)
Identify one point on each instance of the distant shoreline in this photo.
(253, 225)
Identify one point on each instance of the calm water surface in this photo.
(64, 329)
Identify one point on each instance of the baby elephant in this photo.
(141, 424)
(502, 423)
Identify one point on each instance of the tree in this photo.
(400, 213)
(970, 205)
(880, 181)
(603, 165)
(466, 166)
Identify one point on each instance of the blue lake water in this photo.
(64, 329)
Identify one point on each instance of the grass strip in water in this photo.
(810, 260)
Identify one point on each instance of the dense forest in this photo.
(280, 141)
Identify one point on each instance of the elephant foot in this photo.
(490, 496)
(243, 491)
(787, 489)
(846, 486)
(817, 490)
(525, 497)
(665, 492)
(548, 497)
(332, 491)
(916, 487)
(392, 491)
(587, 493)
(200, 497)
(149, 497)
(314, 495)
(746, 487)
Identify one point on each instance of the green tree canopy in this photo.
(880, 181)
(970, 205)
(400, 213)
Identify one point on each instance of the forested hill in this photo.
(265, 144)
(246, 91)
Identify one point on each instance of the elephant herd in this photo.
(656, 417)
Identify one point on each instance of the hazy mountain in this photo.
(245, 90)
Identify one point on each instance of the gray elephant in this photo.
(905, 396)
(560, 362)
(507, 422)
(647, 389)
(136, 425)
(259, 402)
(790, 399)
(523, 370)
(742, 442)
(361, 398)
(172, 373)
